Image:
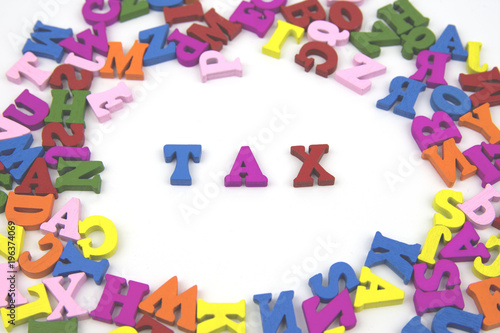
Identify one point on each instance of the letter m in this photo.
(215, 33)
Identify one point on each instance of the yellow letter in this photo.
(98, 223)
(473, 58)
(124, 329)
(431, 244)
(375, 292)
(445, 203)
(283, 30)
(215, 317)
(21, 314)
(15, 234)
(483, 271)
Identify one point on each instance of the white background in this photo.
(238, 242)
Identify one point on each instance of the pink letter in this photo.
(214, 66)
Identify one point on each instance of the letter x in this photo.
(65, 297)
(311, 166)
